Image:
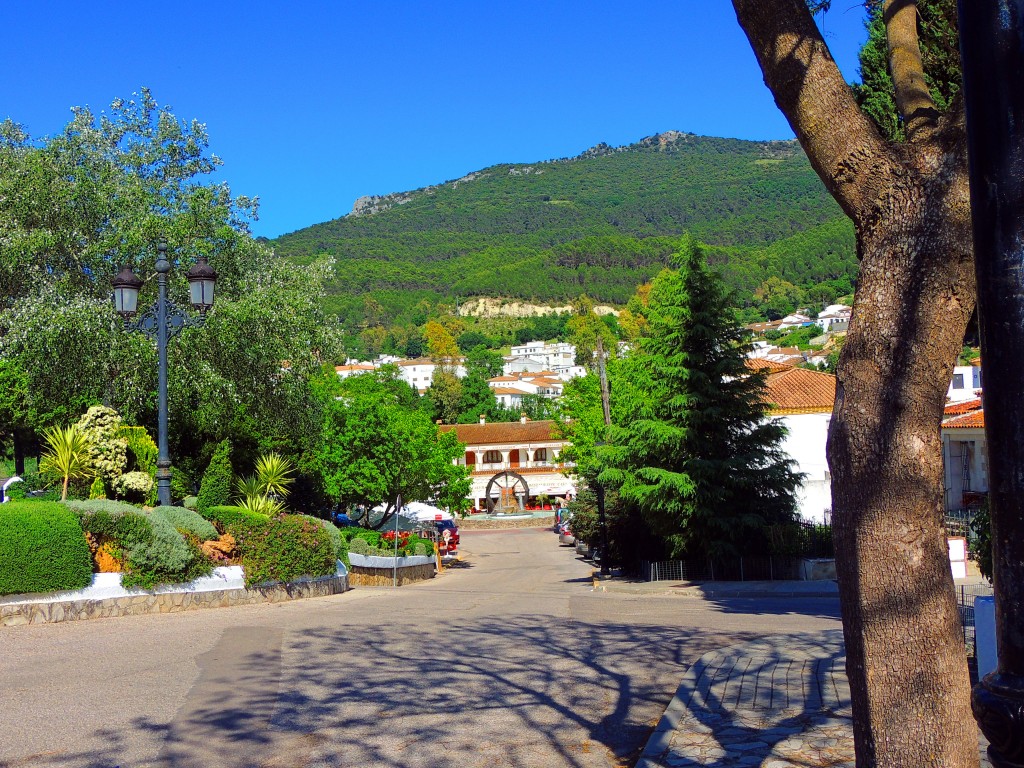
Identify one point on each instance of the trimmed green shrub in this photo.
(188, 521)
(42, 549)
(226, 517)
(15, 491)
(155, 553)
(332, 530)
(97, 490)
(215, 489)
(284, 549)
(189, 502)
(359, 546)
(92, 506)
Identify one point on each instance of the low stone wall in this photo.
(166, 602)
(476, 523)
(362, 576)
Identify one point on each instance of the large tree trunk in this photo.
(905, 653)
(915, 294)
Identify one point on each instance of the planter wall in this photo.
(373, 571)
(107, 598)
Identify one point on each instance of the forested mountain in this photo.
(597, 224)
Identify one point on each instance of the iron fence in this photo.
(791, 543)
(965, 595)
(958, 522)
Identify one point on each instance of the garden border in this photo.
(147, 601)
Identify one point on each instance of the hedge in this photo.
(284, 549)
(338, 542)
(42, 549)
(188, 521)
(226, 517)
(92, 506)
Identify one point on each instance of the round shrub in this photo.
(154, 552)
(189, 502)
(284, 548)
(42, 549)
(188, 521)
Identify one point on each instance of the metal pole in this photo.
(163, 460)
(992, 52)
(398, 507)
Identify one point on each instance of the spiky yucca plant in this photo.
(274, 473)
(67, 456)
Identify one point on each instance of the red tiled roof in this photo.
(799, 390)
(768, 366)
(508, 432)
(965, 406)
(972, 420)
(509, 391)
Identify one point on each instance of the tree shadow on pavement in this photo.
(522, 692)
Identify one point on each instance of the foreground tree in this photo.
(910, 208)
(379, 445)
(697, 455)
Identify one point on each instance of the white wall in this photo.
(807, 434)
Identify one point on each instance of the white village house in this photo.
(520, 457)
(802, 400)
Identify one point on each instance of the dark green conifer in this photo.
(693, 448)
(215, 490)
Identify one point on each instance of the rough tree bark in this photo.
(910, 207)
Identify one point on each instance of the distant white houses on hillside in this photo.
(538, 356)
(835, 317)
(353, 369)
(419, 373)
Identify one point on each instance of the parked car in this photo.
(565, 535)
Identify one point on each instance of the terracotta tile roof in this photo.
(357, 367)
(965, 406)
(799, 390)
(972, 420)
(509, 391)
(514, 432)
(768, 366)
(503, 378)
(417, 361)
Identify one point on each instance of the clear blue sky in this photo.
(314, 104)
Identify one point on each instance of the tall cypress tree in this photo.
(697, 454)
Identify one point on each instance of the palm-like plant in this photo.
(261, 505)
(274, 473)
(67, 456)
(248, 487)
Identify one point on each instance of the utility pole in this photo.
(992, 52)
(598, 488)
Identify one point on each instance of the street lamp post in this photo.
(992, 51)
(160, 322)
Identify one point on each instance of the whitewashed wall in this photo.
(805, 444)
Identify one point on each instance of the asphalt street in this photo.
(511, 659)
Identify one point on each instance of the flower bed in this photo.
(48, 547)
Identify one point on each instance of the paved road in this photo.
(512, 660)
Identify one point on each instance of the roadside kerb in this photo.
(718, 589)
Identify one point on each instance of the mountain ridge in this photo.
(597, 223)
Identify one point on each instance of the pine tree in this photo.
(215, 489)
(694, 449)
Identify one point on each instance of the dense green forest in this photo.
(597, 225)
